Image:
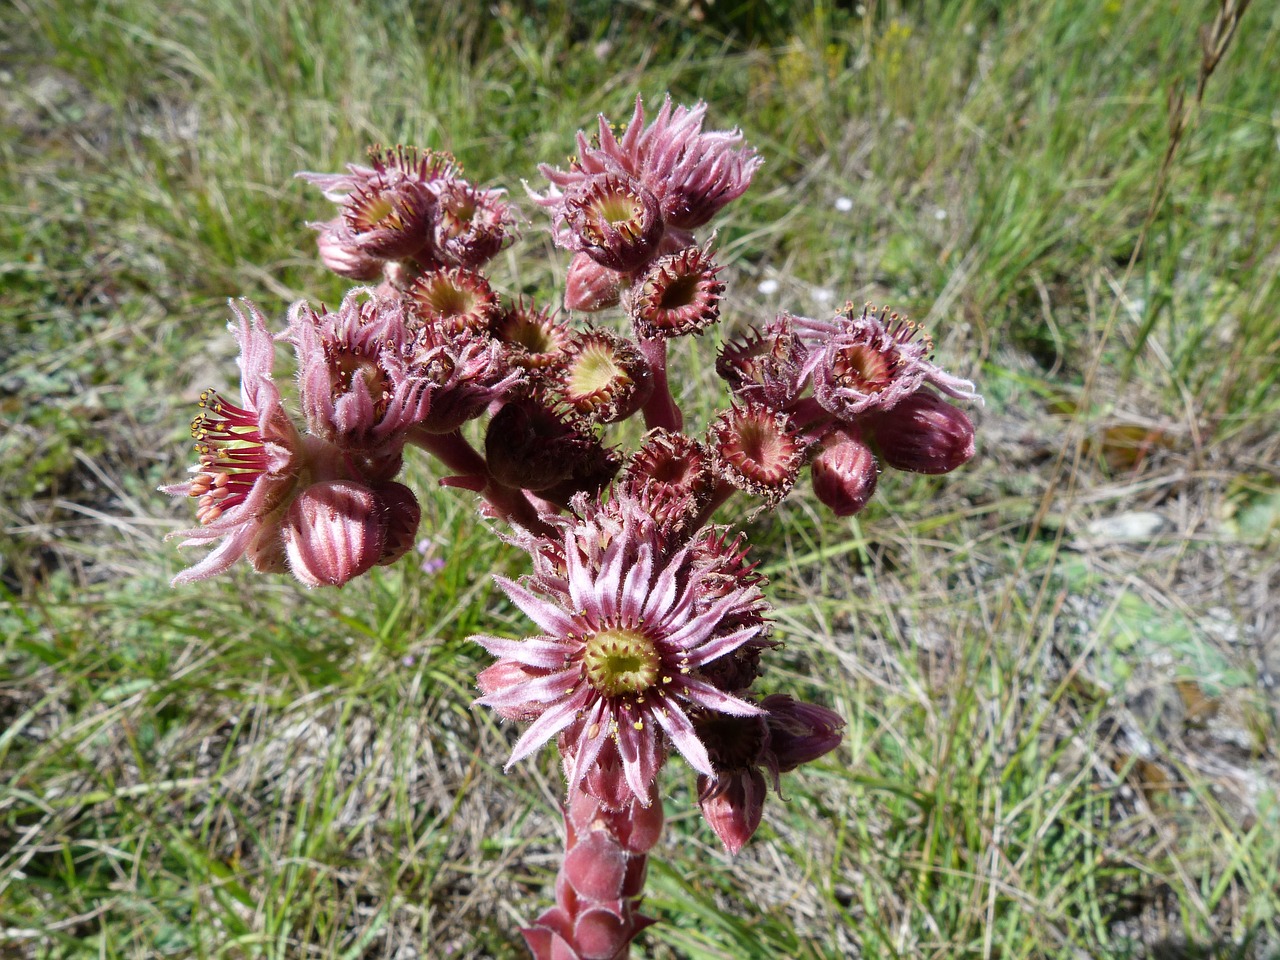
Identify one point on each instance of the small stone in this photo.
(1138, 525)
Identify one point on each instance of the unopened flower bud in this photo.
(528, 446)
(590, 287)
(333, 532)
(923, 434)
(800, 732)
(401, 515)
(735, 809)
(844, 474)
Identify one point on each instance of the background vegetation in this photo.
(1058, 665)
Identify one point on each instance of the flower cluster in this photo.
(410, 211)
(653, 627)
(844, 390)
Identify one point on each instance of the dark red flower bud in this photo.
(590, 287)
(800, 732)
(844, 474)
(401, 515)
(923, 434)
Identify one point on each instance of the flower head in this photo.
(388, 219)
(627, 635)
(357, 386)
(871, 361)
(604, 376)
(466, 373)
(532, 337)
(693, 174)
(453, 299)
(672, 472)
(471, 225)
(758, 449)
(390, 165)
(251, 457)
(613, 219)
(765, 365)
(678, 295)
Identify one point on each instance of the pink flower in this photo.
(357, 386)
(389, 166)
(691, 173)
(628, 630)
(871, 361)
(613, 219)
(251, 456)
(766, 365)
(466, 373)
(471, 224)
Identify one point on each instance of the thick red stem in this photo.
(600, 881)
(660, 409)
(507, 503)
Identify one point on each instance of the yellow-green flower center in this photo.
(619, 661)
(617, 209)
(595, 372)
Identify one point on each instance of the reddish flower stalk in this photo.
(600, 881)
(471, 472)
(660, 411)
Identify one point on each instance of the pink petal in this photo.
(544, 613)
(682, 734)
(555, 719)
(719, 646)
(713, 698)
(535, 690)
(542, 652)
